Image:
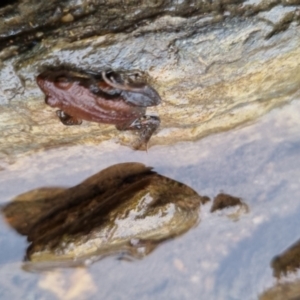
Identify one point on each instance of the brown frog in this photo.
(102, 98)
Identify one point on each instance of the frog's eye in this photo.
(62, 82)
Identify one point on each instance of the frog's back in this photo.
(75, 97)
(82, 103)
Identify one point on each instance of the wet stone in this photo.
(287, 262)
(125, 210)
(222, 201)
(282, 290)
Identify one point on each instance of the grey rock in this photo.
(216, 65)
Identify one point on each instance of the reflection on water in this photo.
(219, 259)
(126, 208)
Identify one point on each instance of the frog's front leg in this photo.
(67, 119)
(146, 126)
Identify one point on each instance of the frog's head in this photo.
(135, 93)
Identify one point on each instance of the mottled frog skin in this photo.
(103, 98)
(126, 209)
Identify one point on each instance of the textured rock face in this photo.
(215, 66)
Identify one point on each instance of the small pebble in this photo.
(67, 18)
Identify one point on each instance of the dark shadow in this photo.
(7, 2)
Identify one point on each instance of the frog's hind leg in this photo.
(67, 119)
(146, 126)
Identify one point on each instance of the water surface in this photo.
(219, 259)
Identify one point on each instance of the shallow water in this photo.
(219, 259)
